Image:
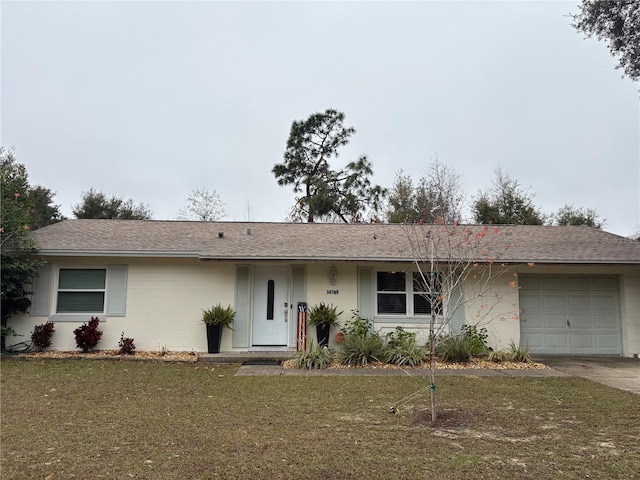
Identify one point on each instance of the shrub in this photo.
(357, 325)
(455, 349)
(478, 339)
(41, 336)
(361, 349)
(361, 345)
(315, 356)
(88, 335)
(127, 347)
(403, 349)
(519, 354)
(499, 356)
(8, 332)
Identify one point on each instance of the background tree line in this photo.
(324, 193)
(438, 196)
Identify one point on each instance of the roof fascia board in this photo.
(164, 254)
(102, 253)
(405, 260)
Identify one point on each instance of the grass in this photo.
(130, 419)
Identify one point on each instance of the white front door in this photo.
(270, 297)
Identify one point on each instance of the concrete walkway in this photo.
(617, 372)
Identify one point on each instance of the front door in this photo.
(270, 292)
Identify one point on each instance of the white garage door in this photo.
(577, 315)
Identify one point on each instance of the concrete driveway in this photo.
(617, 372)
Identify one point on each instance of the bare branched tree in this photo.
(459, 267)
(204, 206)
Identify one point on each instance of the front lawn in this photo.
(90, 419)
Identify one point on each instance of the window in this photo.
(392, 296)
(424, 292)
(81, 290)
(399, 293)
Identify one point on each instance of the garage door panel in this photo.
(580, 322)
(557, 340)
(530, 302)
(555, 322)
(533, 321)
(579, 302)
(605, 284)
(603, 321)
(607, 341)
(582, 340)
(570, 314)
(535, 341)
(554, 283)
(604, 303)
(553, 302)
(578, 284)
(529, 283)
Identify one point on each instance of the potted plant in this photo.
(216, 319)
(323, 317)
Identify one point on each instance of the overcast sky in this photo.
(150, 100)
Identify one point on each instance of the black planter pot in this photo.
(322, 331)
(214, 337)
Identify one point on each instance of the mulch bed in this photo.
(166, 356)
(192, 357)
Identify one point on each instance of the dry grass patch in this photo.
(148, 420)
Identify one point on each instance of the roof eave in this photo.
(116, 253)
(298, 258)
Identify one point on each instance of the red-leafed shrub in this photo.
(41, 336)
(88, 335)
(126, 345)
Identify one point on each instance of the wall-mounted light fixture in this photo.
(333, 273)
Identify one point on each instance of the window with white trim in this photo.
(399, 293)
(81, 290)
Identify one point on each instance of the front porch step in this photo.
(246, 358)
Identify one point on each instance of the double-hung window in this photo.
(392, 293)
(81, 290)
(427, 291)
(407, 293)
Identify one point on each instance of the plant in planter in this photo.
(323, 317)
(216, 319)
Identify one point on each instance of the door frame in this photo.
(287, 295)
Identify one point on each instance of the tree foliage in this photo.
(203, 206)
(44, 212)
(326, 194)
(18, 266)
(618, 23)
(402, 200)
(438, 196)
(570, 215)
(95, 204)
(506, 203)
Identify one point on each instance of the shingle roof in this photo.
(321, 241)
